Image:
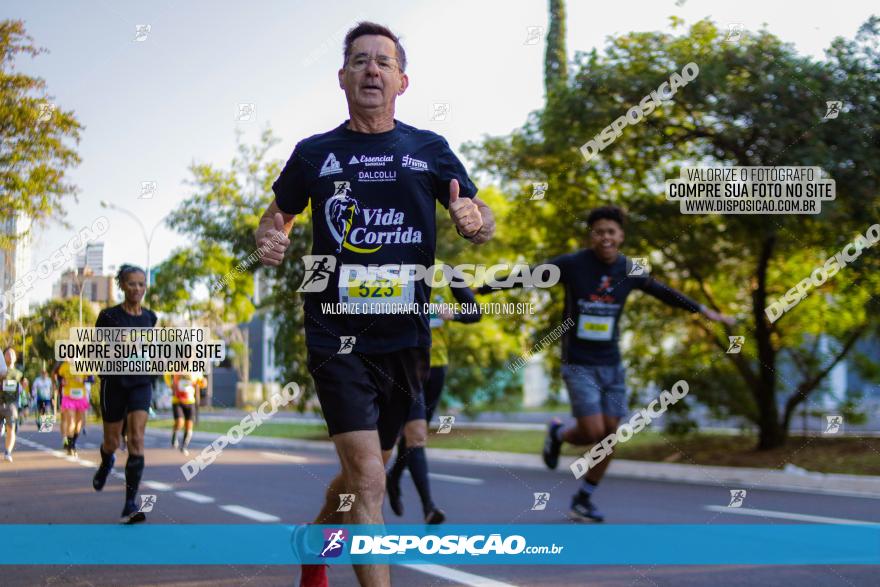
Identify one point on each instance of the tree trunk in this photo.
(772, 434)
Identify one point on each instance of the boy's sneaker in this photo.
(551, 445)
(583, 510)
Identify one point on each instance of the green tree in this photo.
(755, 102)
(479, 353)
(213, 282)
(34, 136)
(555, 57)
(52, 321)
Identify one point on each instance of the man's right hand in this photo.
(272, 241)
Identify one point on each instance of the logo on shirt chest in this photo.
(603, 293)
(371, 160)
(364, 230)
(331, 166)
(408, 162)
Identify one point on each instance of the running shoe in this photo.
(174, 442)
(101, 474)
(131, 514)
(314, 576)
(583, 510)
(435, 516)
(8, 456)
(184, 450)
(551, 445)
(393, 489)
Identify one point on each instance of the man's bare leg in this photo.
(363, 474)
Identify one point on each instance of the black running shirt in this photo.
(116, 317)
(595, 293)
(373, 200)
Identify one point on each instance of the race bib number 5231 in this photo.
(373, 290)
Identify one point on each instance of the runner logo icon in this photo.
(334, 541)
(318, 269)
(737, 497)
(736, 344)
(147, 503)
(542, 498)
(346, 500)
(446, 423)
(346, 345)
(833, 424)
(639, 266)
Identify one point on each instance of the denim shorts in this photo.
(596, 389)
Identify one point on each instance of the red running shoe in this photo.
(314, 576)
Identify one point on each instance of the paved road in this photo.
(538, 420)
(248, 485)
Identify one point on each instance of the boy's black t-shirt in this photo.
(595, 293)
(118, 318)
(373, 201)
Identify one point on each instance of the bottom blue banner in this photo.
(472, 544)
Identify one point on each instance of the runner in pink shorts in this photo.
(74, 404)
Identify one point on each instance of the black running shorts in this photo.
(361, 391)
(184, 411)
(433, 387)
(117, 401)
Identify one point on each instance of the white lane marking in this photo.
(87, 463)
(59, 454)
(283, 457)
(459, 577)
(157, 485)
(786, 516)
(118, 475)
(196, 497)
(456, 479)
(249, 513)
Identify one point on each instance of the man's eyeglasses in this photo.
(385, 64)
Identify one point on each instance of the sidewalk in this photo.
(493, 421)
(727, 477)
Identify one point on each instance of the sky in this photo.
(153, 107)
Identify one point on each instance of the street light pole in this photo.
(148, 240)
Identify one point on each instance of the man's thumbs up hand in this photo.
(272, 241)
(464, 212)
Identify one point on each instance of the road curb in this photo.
(727, 477)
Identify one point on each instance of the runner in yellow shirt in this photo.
(185, 388)
(74, 404)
